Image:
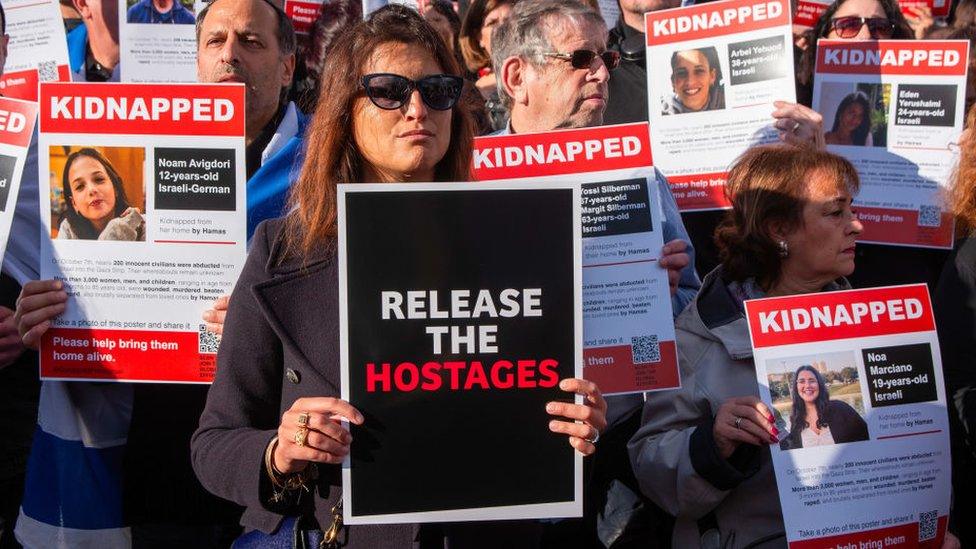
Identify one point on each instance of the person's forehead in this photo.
(692, 57)
(861, 8)
(252, 15)
(565, 30)
(410, 60)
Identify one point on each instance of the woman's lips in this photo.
(416, 135)
(692, 91)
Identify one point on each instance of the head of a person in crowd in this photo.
(333, 19)
(442, 17)
(632, 11)
(852, 121)
(252, 42)
(695, 74)
(791, 228)
(808, 389)
(854, 20)
(101, 20)
(393, 116)
(93, 192)
(967, 32)
(475, 38)
(961, 199)
(964, 14)
(552, 65)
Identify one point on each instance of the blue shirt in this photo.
(145, 12)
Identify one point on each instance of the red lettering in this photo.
(455, 367)
(372, 377)
(526, 374)
(550, 377)
(497, 380)
(476, 375)
(432, 376)
(400, 375)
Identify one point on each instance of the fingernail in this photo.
(57, 284)
(551, 408)
(773, 438)
(552, 425)
(775, 431)
(771, 418)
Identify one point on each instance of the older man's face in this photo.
(561, 96)
(239, 43)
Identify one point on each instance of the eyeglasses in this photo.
(848, 27)
(583, 59)
(391, 91)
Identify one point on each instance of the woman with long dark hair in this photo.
(96, 207)
(852, 122)
(816, 420)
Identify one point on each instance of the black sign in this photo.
(901, 374)
(461, 313)
(195, 179)
(7, 164)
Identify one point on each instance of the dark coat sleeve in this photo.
(242, 411)
(955, 315)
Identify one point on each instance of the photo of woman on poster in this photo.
(815, 419)
(852, 122)
(696, 79)
(96, 206)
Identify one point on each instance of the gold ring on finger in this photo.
(301, 436)
(303, 419)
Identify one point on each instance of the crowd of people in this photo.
(398, 96)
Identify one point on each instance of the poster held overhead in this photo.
(713, 73)
(873, 470)
(628, 332)
(894, 108)
(459, 314)
(144, 223)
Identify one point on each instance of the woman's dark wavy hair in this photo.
(332, 156)
(798, 416)
(767, 188)
(808, 61)
(82, 227)
(446, 9)
(860, 135)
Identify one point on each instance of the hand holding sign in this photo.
(39, 302)
(592, 415)
(324, 439)
(10, 344)
(674, 259)
(743, 419)
(798, 125)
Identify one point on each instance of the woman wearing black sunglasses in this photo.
(849, 20)
(387, 112)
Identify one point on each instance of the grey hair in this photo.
(525, 33)
(284, 31)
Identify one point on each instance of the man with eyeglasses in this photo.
(553, 68)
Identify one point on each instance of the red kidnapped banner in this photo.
(808, 12)
(714, 19)
(303, 14)
(701, 191)
(562, 152)
(937, 11)
(17, 120)
(896, 57)
(133, 355)
(828, 316)
(143, 109)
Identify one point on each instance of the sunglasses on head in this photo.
(583, 59)
(391, 91)
(848, 27)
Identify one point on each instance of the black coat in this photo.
(846, 425)
(280, 343)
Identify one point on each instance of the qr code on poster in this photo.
(929, 216)
(47, 71)
(209, 341)
(928, 525)
(645, 349)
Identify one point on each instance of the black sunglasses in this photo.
(583, 59)
(848, 27)
(391, 91)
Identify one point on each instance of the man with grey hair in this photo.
(553, 69)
